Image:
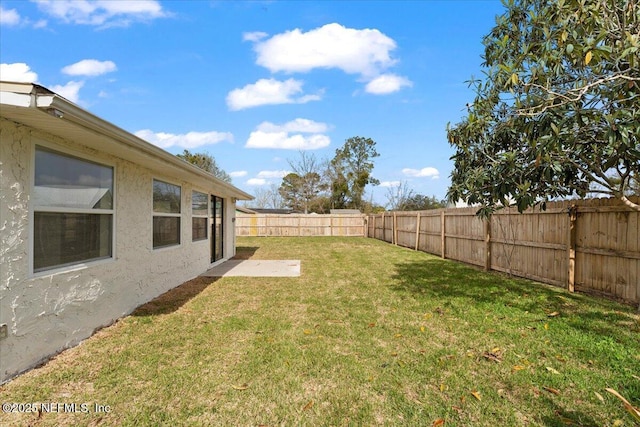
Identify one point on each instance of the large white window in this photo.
(166, 214)
(199, 215)
(73, 210)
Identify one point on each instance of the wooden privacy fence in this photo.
(588, 245)
(300, 225)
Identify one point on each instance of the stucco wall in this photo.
(48, 312)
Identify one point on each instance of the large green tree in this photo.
(207, 162)
(305, 188)
(302, 193)
(350, 172)
(558, 113)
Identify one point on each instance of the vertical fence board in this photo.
(294, 225)
(536, 244)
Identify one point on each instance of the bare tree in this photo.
(267, 198)
(397, 196)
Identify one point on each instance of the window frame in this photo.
(204, 216)
(177, 215)
(33, 208)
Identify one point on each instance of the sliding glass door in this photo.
(217, 228)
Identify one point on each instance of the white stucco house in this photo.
(94, 222)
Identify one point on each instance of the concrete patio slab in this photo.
(256, 268)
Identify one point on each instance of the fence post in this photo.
(442, 236)
(384, 225)
(487, 244)
(394, 234)
(571, 246)
(372, 220)
(417, 230)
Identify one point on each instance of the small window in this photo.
(166, 214)
(72, 210)
(199, 212)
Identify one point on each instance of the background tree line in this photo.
(317, 185)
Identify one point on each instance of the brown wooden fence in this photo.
(300, 225)
(588, 245)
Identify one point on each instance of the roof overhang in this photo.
(39, 108)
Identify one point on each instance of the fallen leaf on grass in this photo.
(240, 387)
(546, 326)
(307, 331)
(437, 423)
(554, 314)
(496, 357)
(308, 405)
(553, 371)
(442, 387)
(635, 412)
(371, 325)
(476, 394)
(518, 368)
(599, 396)
(551, 390)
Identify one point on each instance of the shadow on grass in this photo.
(245, 252)
(562, 417)
(460, 284)
(175, 298)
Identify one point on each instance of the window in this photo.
(199, 212)
(72, 210)
(166, 214)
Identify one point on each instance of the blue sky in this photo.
(255, 82)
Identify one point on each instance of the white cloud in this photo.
(422, 173)
(387, 83)
(365, 52)
(272, 174)
(256, 181)
(90, 67)
(270, 135)
(269, 92)
(70, 91)
(296, 125)
(238, 174)
(102, 13)
(9, 17)
(254, 36)
(281, 140)
(18, 72)
(389, 184)
(188, 140)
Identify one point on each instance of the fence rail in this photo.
(589, 245)
(300, 225)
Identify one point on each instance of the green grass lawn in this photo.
(370, 334)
